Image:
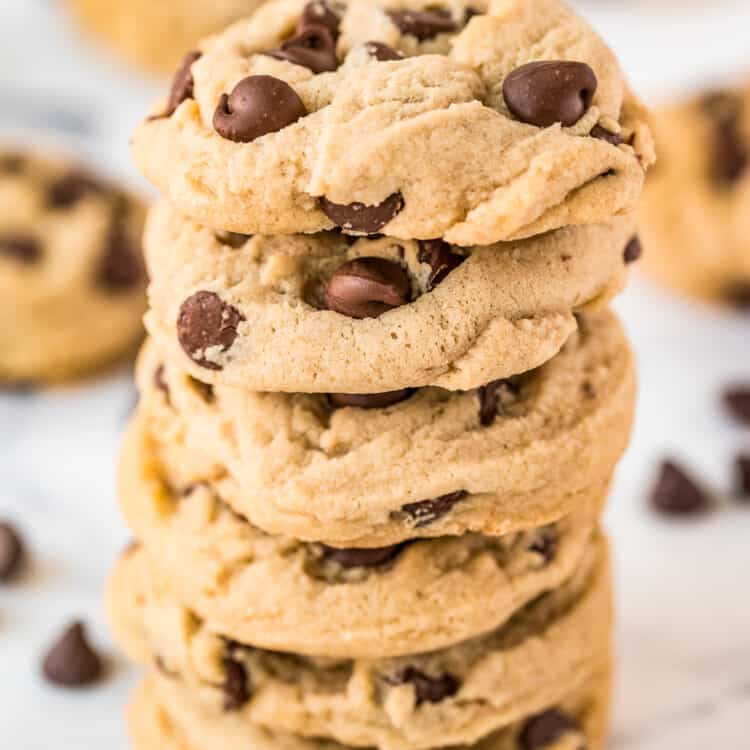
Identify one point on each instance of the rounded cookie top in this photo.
(696, 208)
(72, 279)
(327, 312)
(474, 122)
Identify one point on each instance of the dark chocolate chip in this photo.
(258, 105)
(12, 163)
(606, 135)
(367, 287)
(319, 13)
(369, 400)
(545, 728)
(742, 471)
(206, 322)
(737, 295)
(426, 512)
(429, 689)
(21, 248)
(737, 401)
(313, 47)
(382, 52)
(232, 239)
(236, 687)
(182, 83)
(12, 552)
(440, 257)
(357, 217)
(160, 382)
(676, 493)
(633, 250)
(424, 24)
(71, 662)
(551, 91)
(730, 154)
(489, 400)
(355, 557)
(545, 544)
(67, 190)
(121, 267)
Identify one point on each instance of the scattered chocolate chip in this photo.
(742, 472)
(160, 382)
(258, 105)
(12, 553)
(675, 492)
(429, 689)
(737, 295)
(313, 47)
(606, 135)
(354, 557)
(67, 190)
(367, 287)
(369, 400)
(440, 257)
(12, 163)
(424, 24)
(71, 662)
(426, 512)
(547, 92)
(182, 83)
(357, 217)
(633, 250)
(206, 322)
(232, 239)
(731, 154)
(236, 687)
(319, 13)
(21, 248)
(382, 52)
(489, 400)
(545, 544)
(121, 267)
(737, 401)
(545, 728)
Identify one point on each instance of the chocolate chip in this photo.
(425, 24)
(236, 686)
(742, 471)
(545, 728)
(737, 294)
(382, 52)
(489, 400)
(319, 13)
(182, 83)
(120, 268)
(633, 250)
(12, 163)
(12, 552)
(313, 47)
(426, 512)
(367, 287)
(606, 135)
(232, 239)
(737, 401)
(369, 400)
(730, 153)
(357, 217)
(354, 557)
(258, 105)
(429, 689)
(206, 322)
(545, 544)
(675, 492)
(160, 382)
(547, 92)
(71, 662)
(440, 257)
(20, 247)
(67, 190)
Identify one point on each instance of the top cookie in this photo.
(475, 122)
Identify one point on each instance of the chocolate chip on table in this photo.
(357, 217)
(440, 257)
(737, 402)
(12, 552)
(319, 13)
(236, 687)
(633, 250)
(21, 248)
(258, 105)
(425, 512)
(676, 493)
(369, 400)
(182, 83)
(206, 322)
(737, 295)
(489, 400)
(424, 24)
(313, 47)
(67, 190)
(429, 689)
(382, 52)
(547, 92)
(742, 472)
(367, 288)
(72, 662)
(120, 268)
(355, 557)
(606, 135)
(545, 728)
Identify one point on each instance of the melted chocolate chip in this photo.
(440, 257)
(232, 239)
(67, 190)
(382, 52)
(545, 728)
(742, 472)
(429, 689)
(206, 322)
(425, 24)
(21, 248)
(357, 217)
(606, 135)
(313, 47)
(369, 400)
(354, 557)
(633, 250)
(676, 493)
(182, 83)
(120, 268)
(548, 92)
(319, 13)
(426, 512)
(236, 687)
(258, 105)
(72, 662)
(12, 553)
(737, 402)
(367, 288)
(489, 400)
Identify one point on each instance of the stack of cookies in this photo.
(383, 397)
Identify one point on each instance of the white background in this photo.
(684, 633)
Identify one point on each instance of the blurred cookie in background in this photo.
(156, 35)
(695, 216)
(72, 280)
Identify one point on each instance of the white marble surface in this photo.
(684, 632)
